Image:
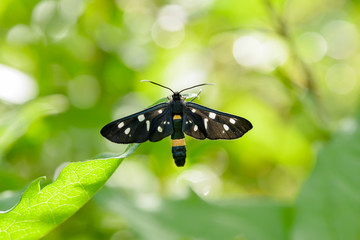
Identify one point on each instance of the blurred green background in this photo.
(69, 67)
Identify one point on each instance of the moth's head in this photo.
(176, 96)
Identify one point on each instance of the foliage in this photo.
(41, 210)
(328, 206)
(196, 218)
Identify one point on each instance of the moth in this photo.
(176, 117)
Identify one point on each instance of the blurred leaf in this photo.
(329, 204)
(10, 181)
(195, 218)
(13, 126)
(41, 210)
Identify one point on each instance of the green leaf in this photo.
(328, 206)
(195, 218)
(41, 210)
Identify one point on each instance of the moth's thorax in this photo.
(177, 103)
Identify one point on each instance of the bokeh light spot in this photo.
(172, 18)
(259, 51)
(168, 31)
(348, 125)
(248, 51)
(16, 86)
(71, 9)
(134, 55)
(202, 180)
(43, 12)
(84, 91)
(21, 34)
(311, 47)
(186, 70)
(341, 78)
(139, 23)
(194, 6)
(55, 18)
(342, 38)
(166, 39)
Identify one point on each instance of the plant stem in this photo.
(281, 28)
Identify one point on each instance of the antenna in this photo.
(157, 84)
(196, 86)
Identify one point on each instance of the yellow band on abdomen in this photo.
(177, 117)
(178, 142)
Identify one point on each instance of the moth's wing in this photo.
(154, 124)
(201, 122)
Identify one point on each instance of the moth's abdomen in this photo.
(179, 151)
(179, 155)
(178, 142)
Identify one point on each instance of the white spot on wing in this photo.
(193, 110)
(212, 115)
(160, 129)
(121, 125)
(147, 125)
(195, 128)
(232, 121)
(226, 127)
(168, 123)
(187, 122)
(141, 117)
(127, 131)
(205, 122)
(160, 111)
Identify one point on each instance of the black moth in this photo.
(175, 118)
